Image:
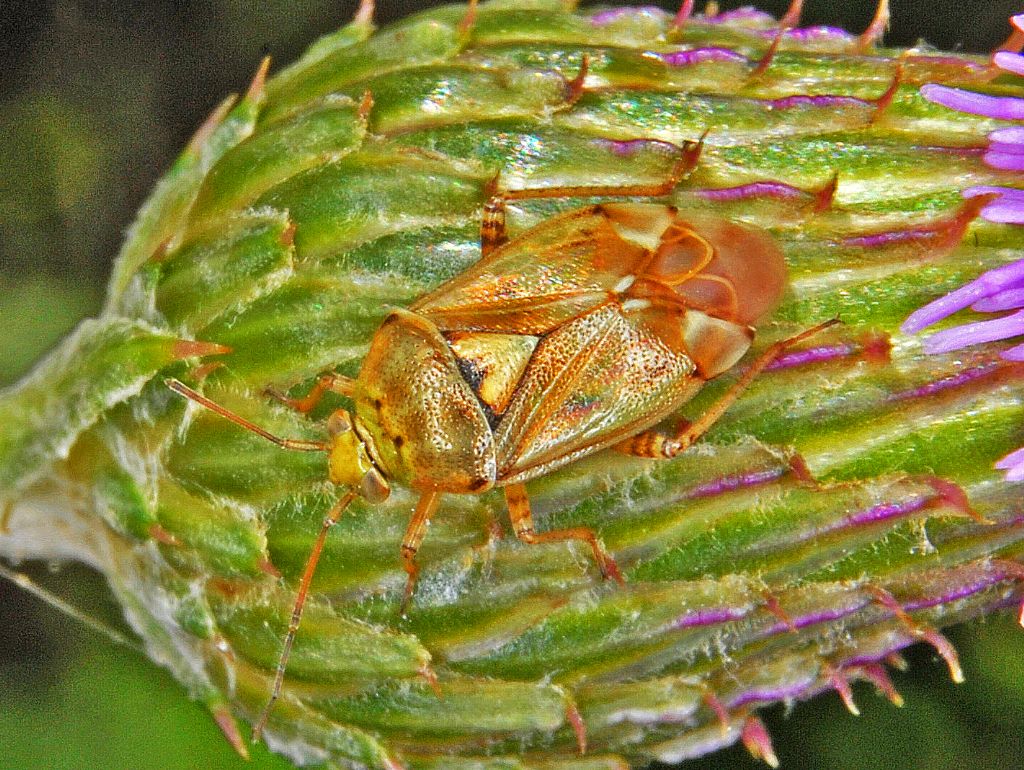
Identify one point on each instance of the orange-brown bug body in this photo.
(582, 333)
(577, 335)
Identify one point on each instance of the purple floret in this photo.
(976, 333)
(1015, 353)
(1001, 289)
(1001, 107)
(1007, 209)
(1013, 464)
(988, 284)
(1010, 299)
(1006, 149)
(1011, 62)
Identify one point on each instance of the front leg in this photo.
(334, 383)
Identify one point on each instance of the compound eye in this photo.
(339, 422)
(374, 487)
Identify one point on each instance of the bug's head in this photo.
(349, 461)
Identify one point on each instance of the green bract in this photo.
(353, 181)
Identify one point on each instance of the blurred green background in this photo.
(96, 98)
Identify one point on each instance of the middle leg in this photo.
(493, 232)
(522, 522)
(414, 535)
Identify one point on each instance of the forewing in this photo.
(557, 271)
(597, 380)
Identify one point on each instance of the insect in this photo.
(579, 334)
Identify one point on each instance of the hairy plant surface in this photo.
(845, 508)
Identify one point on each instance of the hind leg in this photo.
(653, 443)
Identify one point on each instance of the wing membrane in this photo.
(540, 280)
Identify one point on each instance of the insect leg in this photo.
(688, 158)
(335, 383)
(414, 534)
(654, 444)
(522, 522)
(300, 444)
(300, 601)
(492, 226)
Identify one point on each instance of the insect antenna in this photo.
(303, 445)
(28, 584)
(300, 601)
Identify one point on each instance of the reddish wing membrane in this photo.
(574, 262)
(746, 266)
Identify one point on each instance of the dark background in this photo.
(96, 99)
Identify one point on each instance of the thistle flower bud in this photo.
(845, 507)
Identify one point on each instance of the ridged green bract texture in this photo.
(297, 218)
